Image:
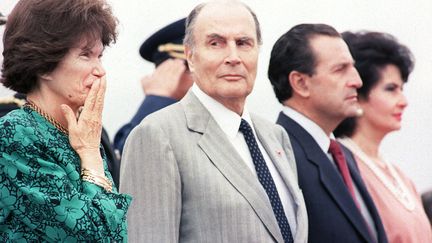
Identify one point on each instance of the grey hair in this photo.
(191, 20)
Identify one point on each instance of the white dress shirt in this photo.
(229, 122)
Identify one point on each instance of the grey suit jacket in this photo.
(189, 184)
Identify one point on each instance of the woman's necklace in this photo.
(397, 188)
(49, 118)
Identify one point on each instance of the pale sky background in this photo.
(409, 21)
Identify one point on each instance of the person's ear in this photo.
(189, 54)
(299, 83)
(46, 77)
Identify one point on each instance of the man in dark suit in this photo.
(427, 204)
(170, 80)
(313, 76)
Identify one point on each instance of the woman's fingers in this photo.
(69, 115)
(91, 97)
(100, 97)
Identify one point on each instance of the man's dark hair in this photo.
(292, 52)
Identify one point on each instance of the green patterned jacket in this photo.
(42, 197)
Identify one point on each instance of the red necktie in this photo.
(341, 163)
(338, 156)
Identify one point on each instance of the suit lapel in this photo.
(280, 159)
(329, 176)
(274, 149)
(226, 159)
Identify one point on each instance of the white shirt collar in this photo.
(227, 120)
(311, 127)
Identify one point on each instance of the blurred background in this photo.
(409, 21)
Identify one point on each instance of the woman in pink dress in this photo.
(384, 66)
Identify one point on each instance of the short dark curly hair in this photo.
(373, 51)
(39, 33)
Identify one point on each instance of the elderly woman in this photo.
(384, 66)
(55, 185)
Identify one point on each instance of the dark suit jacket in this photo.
(332, 213)
(113, 161)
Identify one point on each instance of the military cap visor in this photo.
(165, 43)
(3, 19)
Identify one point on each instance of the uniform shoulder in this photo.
(164, 117)
(12, 100)
(10, 103)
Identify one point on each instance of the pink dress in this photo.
(401, 224)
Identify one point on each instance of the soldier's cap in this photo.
(165, 43)
(3, 19)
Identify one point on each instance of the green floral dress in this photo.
(42, 197)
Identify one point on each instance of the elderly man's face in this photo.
(224, 58)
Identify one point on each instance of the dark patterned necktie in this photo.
(266, 181)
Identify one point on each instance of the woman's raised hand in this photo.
(85, 128)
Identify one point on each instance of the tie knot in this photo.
(335, 148)
(245, 127)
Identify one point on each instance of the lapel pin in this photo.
(279, 152)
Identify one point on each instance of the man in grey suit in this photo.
(205, 169)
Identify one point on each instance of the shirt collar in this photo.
(227, 120)
(311, 127)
